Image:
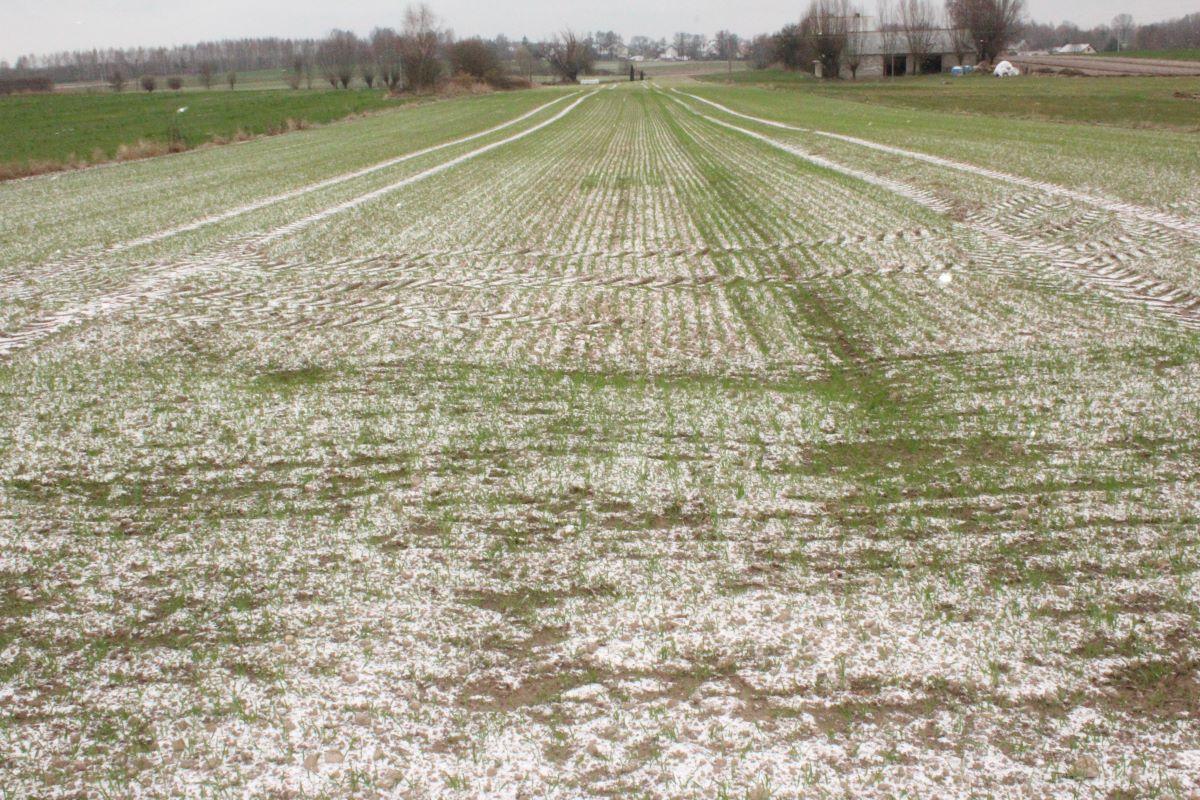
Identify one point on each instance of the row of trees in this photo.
(422, 43)
(118, 80)
(418, 56)
(234, 55)
(323, 59)
(405, 59)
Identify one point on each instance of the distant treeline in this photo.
(422, 52)
(416, 56)
(1123, 33)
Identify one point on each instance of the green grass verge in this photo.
(1130, 102)
(73, 126)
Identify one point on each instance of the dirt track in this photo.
(1098, 65)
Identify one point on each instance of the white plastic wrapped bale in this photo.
(1006, 70)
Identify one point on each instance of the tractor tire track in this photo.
(1189, 227)
(300, 224)
(157, 285)
(1122, 284)
(323, 184)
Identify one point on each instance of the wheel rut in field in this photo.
(1111, 273)
(160, 281)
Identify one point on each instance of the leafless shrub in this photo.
(23, 85)
(463, 84)
(175, 83)
(149, 83)
(295, 73)
(142, 148)
(475, 58)
(525, 61)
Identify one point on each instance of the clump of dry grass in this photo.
(289, 125)
(142, 148)
(462, 85)
(16, 169)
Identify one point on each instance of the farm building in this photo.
(887, 53)
(1074, 50)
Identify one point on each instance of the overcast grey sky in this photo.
(51, 25)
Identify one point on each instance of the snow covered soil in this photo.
(634, 449)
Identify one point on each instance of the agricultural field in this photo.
(1140, 102)
(79, 127)
(665, 440)
(40, 130)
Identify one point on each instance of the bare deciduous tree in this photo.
(960, 40)
(205, 72)
(790, 47)
(991, 23)
(728, 45)
(296, 73)
(888, 35)
(762, 51)
(569, 56)
(824, 28)
(680, 43)
(366, 65)
(525, 61)
(918, 20)
(149, 83)
(1122, 26)
(175, 83)
(337, 55)
(116, 80)
(420, 41)
(855, 41)
(386, 52)
(231, 79)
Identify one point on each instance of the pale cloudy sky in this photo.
(49, 25)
